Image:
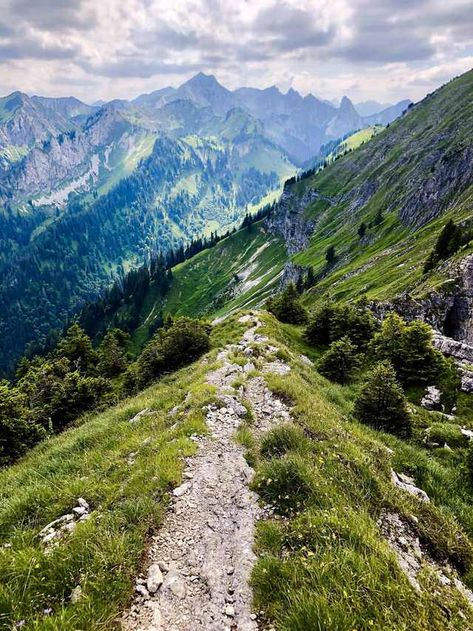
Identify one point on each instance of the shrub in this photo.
(282, 439)
(381, 402)
(409, 348)
(181, 343)
(449, 384)
(287, 307)
(340, 362)
(55, 394)
(17, 433)
(332, 321)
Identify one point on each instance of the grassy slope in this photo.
(390, 260)
(203, 285)
(127, 500)
(325, 567)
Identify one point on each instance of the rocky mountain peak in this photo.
(347, 107)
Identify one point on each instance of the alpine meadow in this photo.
(236, 324)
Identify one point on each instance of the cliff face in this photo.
(449, 312)
(66, 157)
(462, 310)
(289, 220)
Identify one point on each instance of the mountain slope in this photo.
(184, 188)
(412, 176)
(403, 184)
(335, 560)
(72, 219)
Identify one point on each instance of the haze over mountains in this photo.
(88, 192)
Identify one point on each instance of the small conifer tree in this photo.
(330, 255)
(340, 362)
(287, 307)
(381, 402)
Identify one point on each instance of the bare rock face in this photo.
(453, 348)
(465, 320)
(292, 273)
(428, 194)
(431, 399)
(289, 221)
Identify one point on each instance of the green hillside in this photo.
(413, 177)
(326, 563)
(239, 272)
(380, 183)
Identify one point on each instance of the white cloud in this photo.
(389, 49)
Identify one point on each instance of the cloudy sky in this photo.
(102, 49)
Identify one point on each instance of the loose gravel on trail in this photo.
(199, 564)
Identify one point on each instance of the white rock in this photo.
(155, 578)
(230, 611)
(431, 399)
(76, 594)
(305, 360)
(175, 583)
(80, 510)
(140, 415)
(468, 433)
(407, 484)
(181, 490)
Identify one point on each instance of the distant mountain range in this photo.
(88, 192)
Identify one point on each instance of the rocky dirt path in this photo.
(199, 564)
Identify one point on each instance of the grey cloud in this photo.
(394, 46)
(291, 28)
(389, 31)
(282, 40)
(6, 31)
(140, 68)
(54, 15)
(30, 49)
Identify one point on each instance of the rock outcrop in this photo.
(289, 220)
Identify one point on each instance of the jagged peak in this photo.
(346, 103)
(16, 96)
(203, 79)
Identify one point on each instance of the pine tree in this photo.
(409, 349)
(310, 280)
(381, 402)
(330, 255)
(340, 362)
(379, 218)
(448, 242)
(112, 353)
(286, 306)
(17, 433)
(76, 346)
(362, 230)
